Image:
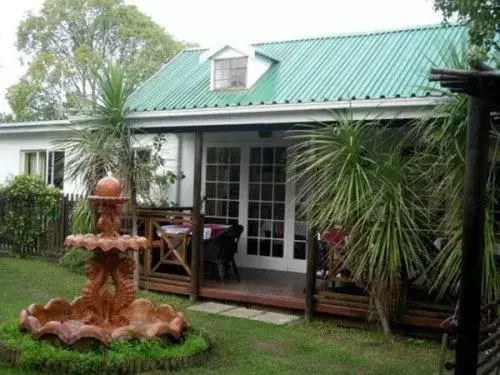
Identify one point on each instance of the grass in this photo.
(240, 346)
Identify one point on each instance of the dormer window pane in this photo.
(230, 73)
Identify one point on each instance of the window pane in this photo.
(211, 155)
(279, 211)
(222, 173)
(222, 190)
(266, 192)
(268, 155)
(42, 165)
(210, 207)
(279, 193)
(252, 246)
(211, 173)
(58, 178)
(253, 210)
(265, 248)
(254, 193)
(279, 174)
(221, 208)
(233, 209)
(222, 64)
(210, 190)
(266, 228)
(238, 63)
(223, 155)
(255, 173)
(277, 249)
(278, 229)
(266, 210)
(300, 231)
(280, 155)
(234, 191)
(234, 155)
(255, 155)
(253, 228)
(267, 174)
(299, 250)
(234, 174)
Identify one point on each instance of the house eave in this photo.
(397, 108)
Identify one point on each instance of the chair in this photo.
(219, 251)
(229, 247)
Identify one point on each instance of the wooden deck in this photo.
(285, 290)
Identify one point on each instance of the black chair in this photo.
(219, 251)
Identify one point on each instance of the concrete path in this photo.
(242, 312)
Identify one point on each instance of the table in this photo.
(209, 230)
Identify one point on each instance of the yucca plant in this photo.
(440, 165)
(354, 177)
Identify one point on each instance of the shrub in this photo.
(81, 217)
(28, 209)
(74, 259)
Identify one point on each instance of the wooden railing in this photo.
(168, 258)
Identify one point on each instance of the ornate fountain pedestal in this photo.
(101, 313)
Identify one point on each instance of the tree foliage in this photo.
(482, 16)
(354, 177)
(68, 41)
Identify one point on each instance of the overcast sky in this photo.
(212, 22)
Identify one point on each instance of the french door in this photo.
(248, 184)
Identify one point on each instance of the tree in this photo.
(68, 41)
(106, 143)
(353, 176)
(482, 16)
(440, 167)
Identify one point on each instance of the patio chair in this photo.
(219, 251)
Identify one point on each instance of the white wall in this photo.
(11, 146)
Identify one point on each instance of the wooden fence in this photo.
(53, 230)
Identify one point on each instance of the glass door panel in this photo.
(266, 202)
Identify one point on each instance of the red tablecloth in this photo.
(334, 237)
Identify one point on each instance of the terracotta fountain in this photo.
(99, 313)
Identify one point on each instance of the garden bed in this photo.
(125, 357)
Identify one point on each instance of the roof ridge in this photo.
(343, 35)
(362, 33)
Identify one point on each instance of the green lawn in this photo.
(240, 346)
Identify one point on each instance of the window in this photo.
(142, 157)
(230, 73)
(48, 165)
(222, 186)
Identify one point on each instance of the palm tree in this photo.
(105, 144)
(440, 165)
(355, 177)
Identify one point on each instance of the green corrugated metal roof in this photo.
(386, 64)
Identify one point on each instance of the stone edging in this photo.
(12, 356)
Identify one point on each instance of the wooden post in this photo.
(197, 241)
(473, 237)
(310, 274)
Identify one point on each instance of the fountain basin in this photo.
(68, 322)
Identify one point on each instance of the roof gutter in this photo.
(353, 105)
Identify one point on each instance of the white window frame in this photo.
(230, 71)
(45, 173)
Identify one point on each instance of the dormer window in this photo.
(230, 73)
